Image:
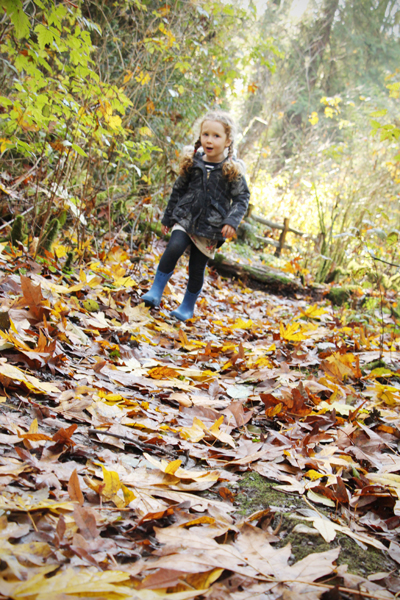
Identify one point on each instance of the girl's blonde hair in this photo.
(231, 170)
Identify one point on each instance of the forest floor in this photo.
(250, 453)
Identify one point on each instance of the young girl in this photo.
(207, 203)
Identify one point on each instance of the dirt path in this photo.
(144, 458)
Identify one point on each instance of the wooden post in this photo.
(282, 237)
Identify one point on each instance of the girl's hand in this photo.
(228, 231)
(164, 229)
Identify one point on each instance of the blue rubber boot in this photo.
(186, 309)
(153, 296)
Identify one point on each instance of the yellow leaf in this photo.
(390, 395)
(9, 374)
(72, 582)
(114, 122)
(4, 144)
(341, 365)
(128, 77)
(241, 324)
(28, 503)
(273, 411)
(60, 250)
(34, 426)
(313, 312)
(172, 467)
(313, 475)
(195, 433)
(260, 363)
(329, 112)
(111, 483)
(292, 333)
(145, 131)
(125, 282)
(202, 581)
(143, 78)
(221, 435)
(128, 494)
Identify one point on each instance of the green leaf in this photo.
(375, 124)
(18, 18)
(378, 113)
(5, 101)
(392, 238)
(57, 15)
(45, 36)
(79, 150)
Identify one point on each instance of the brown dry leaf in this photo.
(85, 519)
(74, 488)
(144, 406)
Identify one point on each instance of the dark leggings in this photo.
(177, 245)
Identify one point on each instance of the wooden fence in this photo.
(284, 228)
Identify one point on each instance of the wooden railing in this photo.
(283, 227)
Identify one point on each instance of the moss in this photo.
(339, 295)
(68, 262)
(359, 561)
(267, 276)
(17, 234)
(51, 234)
(254, 492)
(219, 258)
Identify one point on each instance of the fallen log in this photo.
(271, 280)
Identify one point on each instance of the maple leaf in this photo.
(313, 312)
(292, 333)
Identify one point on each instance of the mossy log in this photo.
(339, 295)
(266, 278)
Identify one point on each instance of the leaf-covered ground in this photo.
(142, 458)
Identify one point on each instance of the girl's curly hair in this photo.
(231, 169)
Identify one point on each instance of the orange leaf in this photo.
(35, 437)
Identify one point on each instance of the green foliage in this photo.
(307, 128)
(18, 18)
(62, 218)
(99, 98)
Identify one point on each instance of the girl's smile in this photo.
(214, 141)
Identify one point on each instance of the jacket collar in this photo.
(198, 159)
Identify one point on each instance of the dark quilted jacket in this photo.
(204, 205)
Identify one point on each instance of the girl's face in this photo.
(214, 140)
